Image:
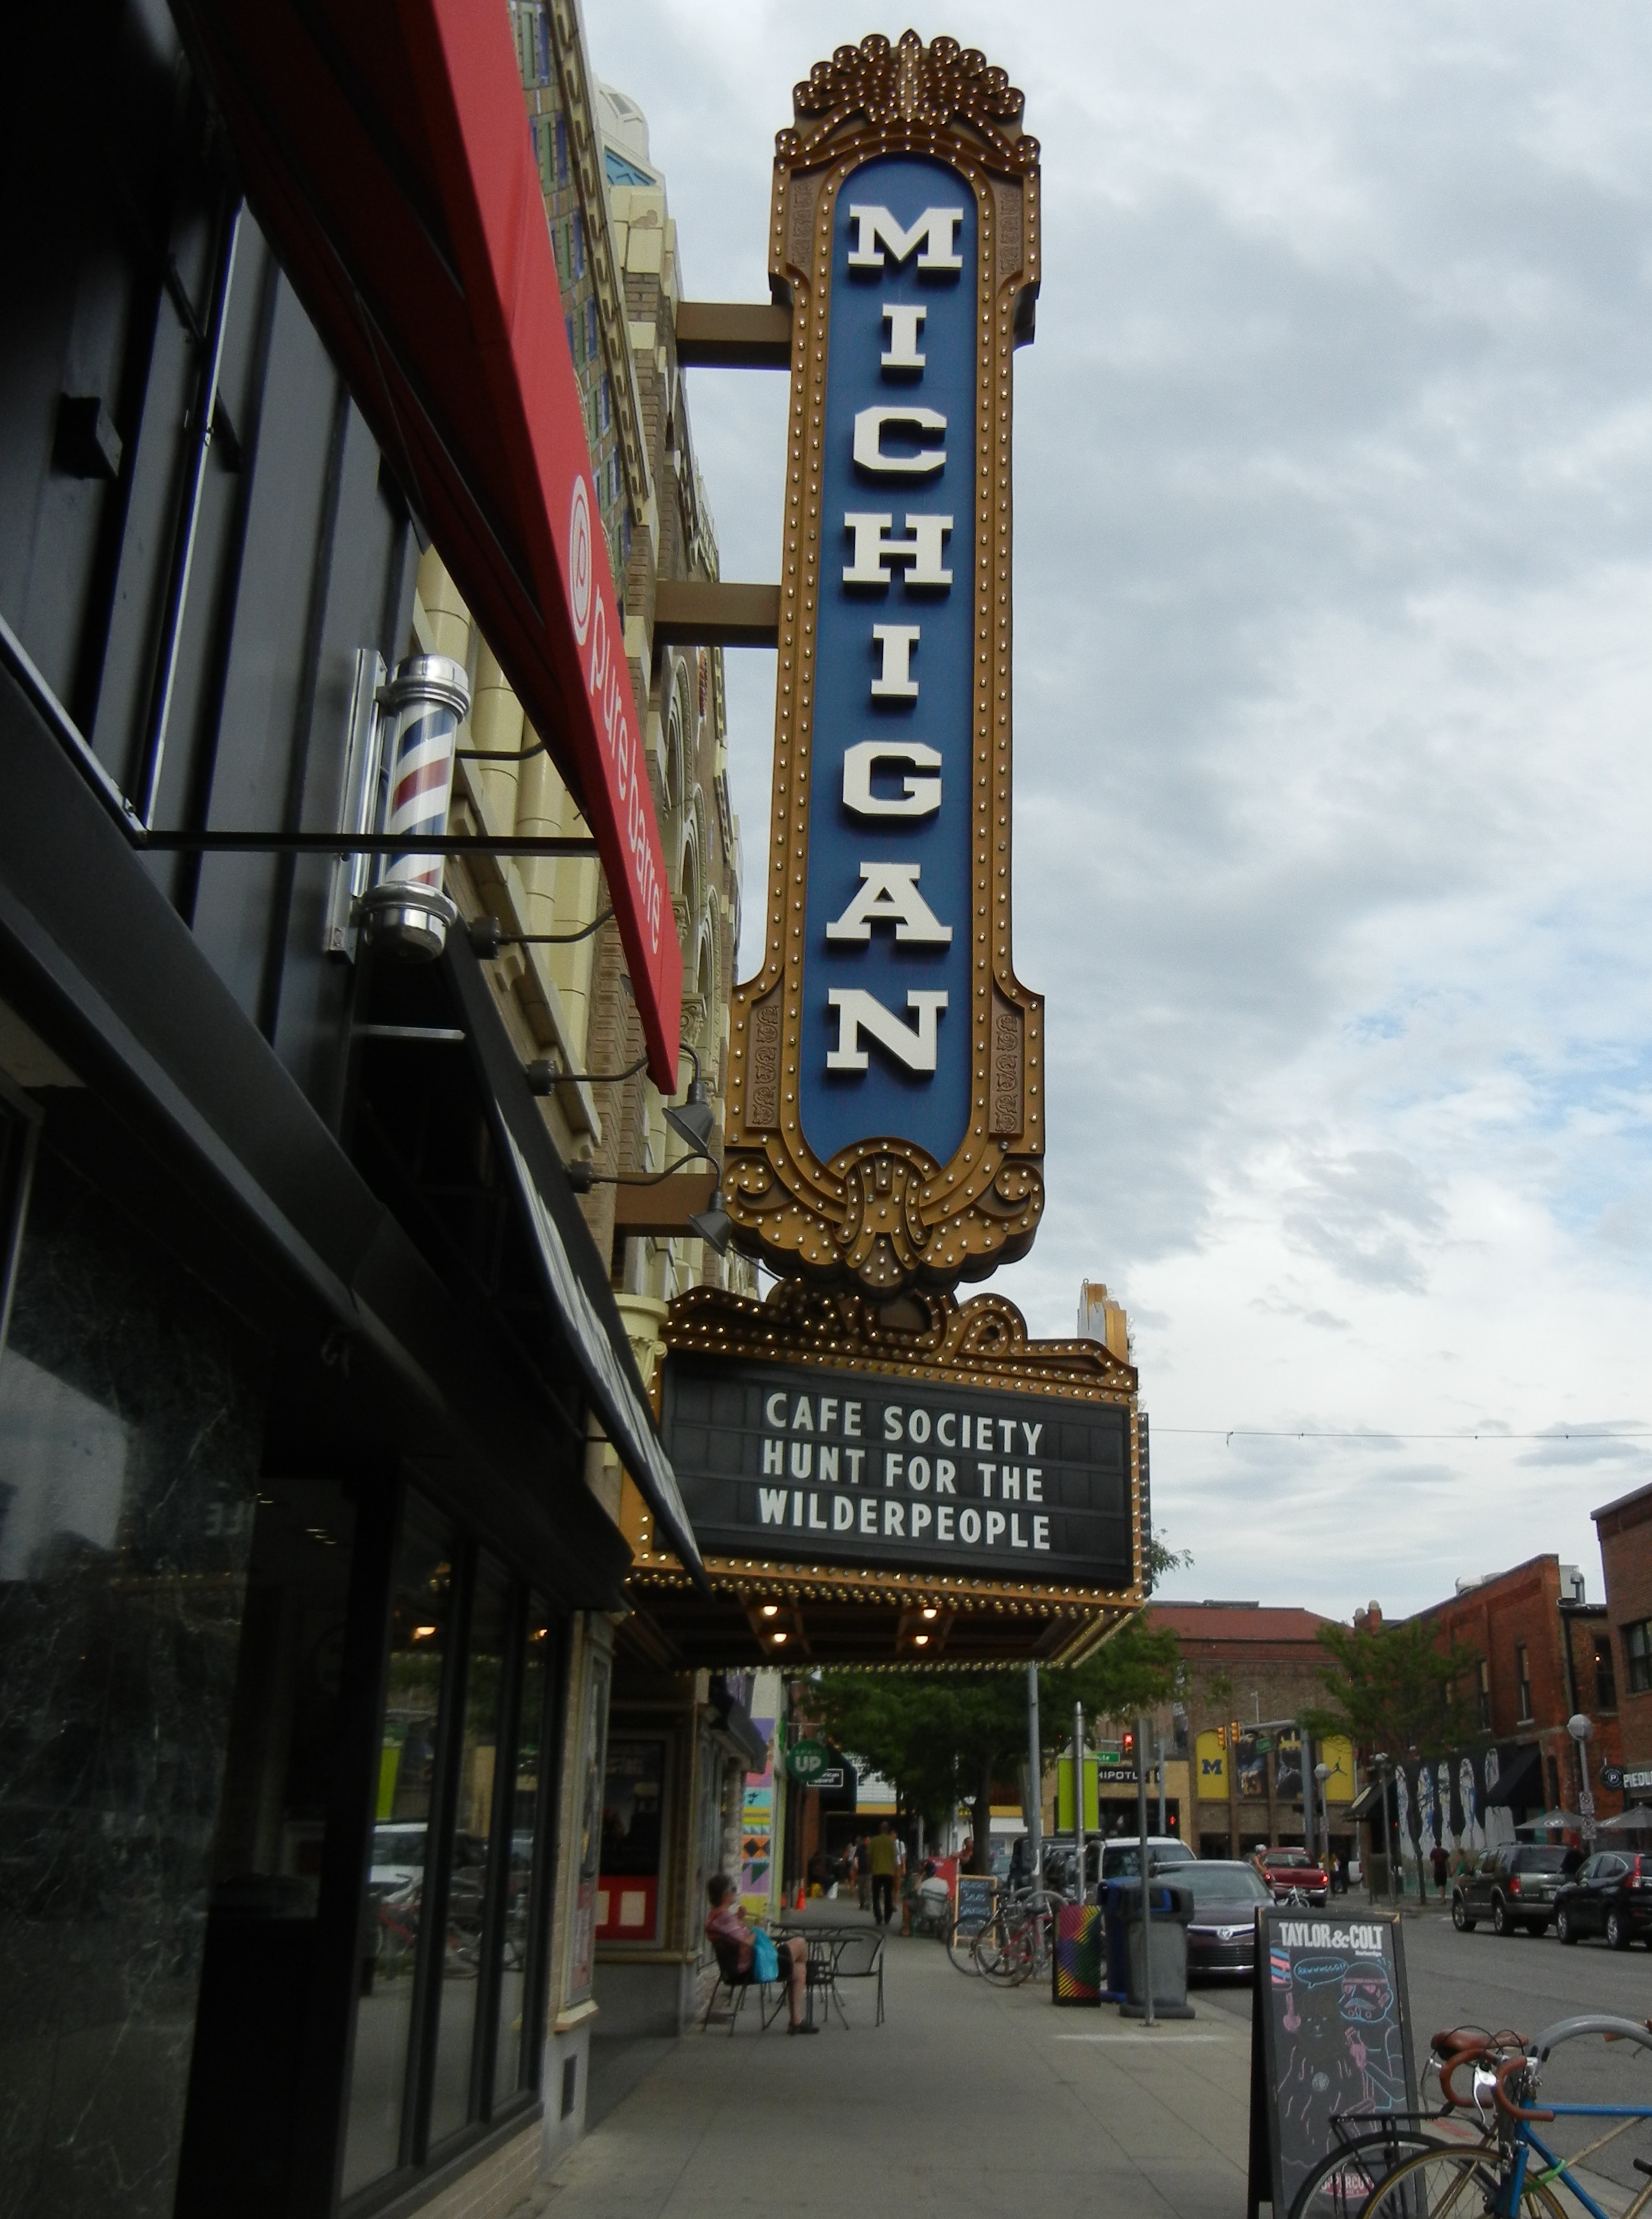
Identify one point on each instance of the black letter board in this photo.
(1330, 2037)
(904, 1472)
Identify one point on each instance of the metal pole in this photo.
(1079, 1802)
(1035, 1814)
(1158, 1758)
(1391, 1828)
(1142, 1864)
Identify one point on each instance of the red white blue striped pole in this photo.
(427, 699)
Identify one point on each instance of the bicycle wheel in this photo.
(1010, 1962)
(1341, 2185)
(1455, 2183)
(988, 1945)
(961, 1943)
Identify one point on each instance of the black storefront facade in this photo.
(302, 1588)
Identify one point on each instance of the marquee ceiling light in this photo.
(771, 1610)
(777, 1639)
(693, 1121)
(919, 1639)
(713, 1224)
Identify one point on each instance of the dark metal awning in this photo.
(385, 151)
(1369, 1799)
(579, 1291)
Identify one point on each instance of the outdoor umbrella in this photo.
(1548, 1822)
(1637, 1820)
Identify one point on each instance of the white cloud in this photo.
(1334, 637)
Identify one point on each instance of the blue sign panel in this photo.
(886, 1037)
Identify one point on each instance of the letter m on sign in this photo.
(876, 230)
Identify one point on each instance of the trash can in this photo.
(1171, 1908)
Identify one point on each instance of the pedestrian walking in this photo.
(883, 1856)
(1442, 1863)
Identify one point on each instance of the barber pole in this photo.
(427, 697)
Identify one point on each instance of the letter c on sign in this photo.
(869, 441)
(580, 577)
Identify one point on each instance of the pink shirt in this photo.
(726, 1925)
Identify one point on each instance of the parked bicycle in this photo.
(1480, 2157)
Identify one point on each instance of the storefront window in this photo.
(130, 1420)
(471, 1834)
(398, 1874)
(628, 1894)
(453, 1919)
(514, 2050)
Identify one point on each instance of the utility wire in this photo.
(1311, 1434)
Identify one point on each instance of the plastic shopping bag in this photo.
(765, 1959)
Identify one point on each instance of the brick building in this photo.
(1258, 1667)
(1624, 1528)
(1545, 1654)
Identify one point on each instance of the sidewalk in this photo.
(967, 2100)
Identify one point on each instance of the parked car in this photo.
(1121, 1855)
(1113, 1857)
(1293, 1872)
(1610, 1894)
(1515, 1886)
(1221, 1935)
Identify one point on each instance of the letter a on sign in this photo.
(886, 1045)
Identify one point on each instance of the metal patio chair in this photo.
(729, 1976)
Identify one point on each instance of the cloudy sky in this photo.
(1334, 678)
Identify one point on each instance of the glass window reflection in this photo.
(374, 2139)
(472, 1831)
(514, 2050)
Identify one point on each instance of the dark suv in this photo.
(1513, 1887)
(1611, 1894)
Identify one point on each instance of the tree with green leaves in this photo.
(1396, 1688)
(941, 1735)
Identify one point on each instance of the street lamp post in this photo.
(1385, 1772)
(1581, 1728)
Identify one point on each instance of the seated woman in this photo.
(730, 1937)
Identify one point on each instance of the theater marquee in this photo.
(906, 1472)
(887, 1097)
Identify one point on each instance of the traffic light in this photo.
(1234, 1730)
(1222, 1737)
(1129, 1744)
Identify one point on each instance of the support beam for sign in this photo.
(665, 1207)
(700, 612)
(733, 335)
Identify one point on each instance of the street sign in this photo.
(1611, 1775)
(807, 1761)
(887, 1064)
(856, 1468)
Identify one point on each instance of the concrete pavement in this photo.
(967, 2100)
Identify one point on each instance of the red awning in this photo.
(387, 152)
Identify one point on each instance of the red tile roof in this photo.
(1193, 1621)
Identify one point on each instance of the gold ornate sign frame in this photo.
(882, 1213)
(931, 1337)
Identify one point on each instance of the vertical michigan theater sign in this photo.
(886, 1106)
